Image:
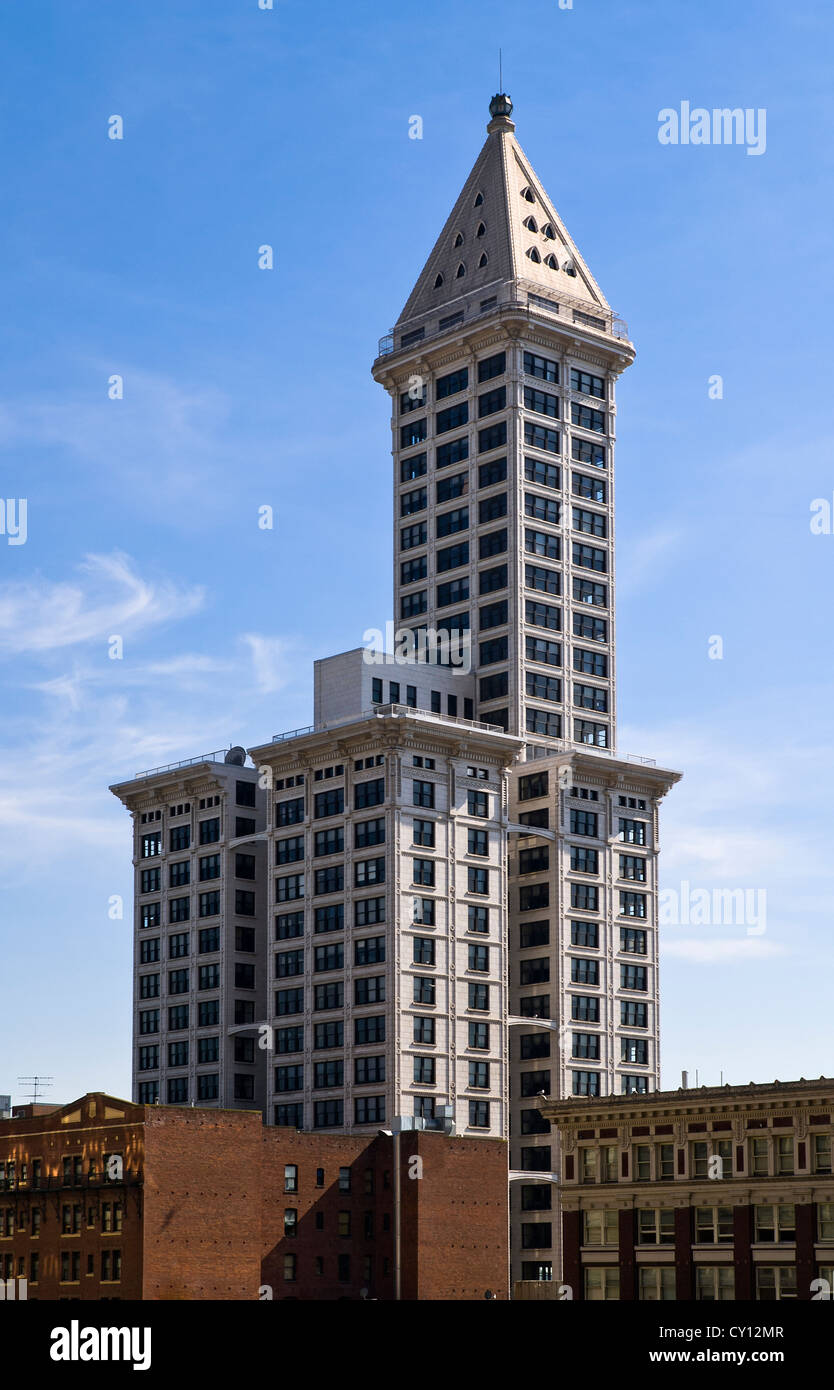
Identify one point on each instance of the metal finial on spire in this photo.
(501, 105)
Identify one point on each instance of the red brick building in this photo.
(104, 1199)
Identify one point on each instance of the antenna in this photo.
(500, 71)
(37, 1083)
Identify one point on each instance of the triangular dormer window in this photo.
(460, 272)
(534, 255)
(438, 282)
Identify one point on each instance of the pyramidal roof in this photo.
(502, 229)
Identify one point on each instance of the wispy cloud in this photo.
(270, 661)
(109, 598)
(183, 428)
(644, 559)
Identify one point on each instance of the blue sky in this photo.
(245, 387)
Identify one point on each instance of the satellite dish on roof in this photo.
(236, 757)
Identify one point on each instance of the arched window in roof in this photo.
(460, 272)
(570, 269)
(530, 222)
(481, 230)
(528, 195)
(459, 239)
(482, 262)
(534, 255)
(438, 282)
(552, 262)
(548, 231)
(479, 200)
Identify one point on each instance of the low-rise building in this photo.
(105, 1199)
(717, 1193)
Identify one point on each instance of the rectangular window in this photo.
(452, 418)
(209, 831)
(329, 996)
(586, 383)
(541, 543)
(328, 1114)
(541, 437)
(478, 918)
(592, 523)
(368, 911)
(542, 367)
(424, 1030)
(413, 536)
(369, 793)
(414, 467)
(369, 1030)
(454, 451)
(414, 432)
(369, 832)
(493, 472)
(368, 989)
(542, 402)
(490, 367)
(590, 557)
(587, 417)
(289, 1001)
(584, 451)
(451, 383)
(542, 508)
(585, 591)
(289, 812)
(493, 437)
(490, 402)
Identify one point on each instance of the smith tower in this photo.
(502, 369)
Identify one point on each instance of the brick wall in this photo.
(202, 1198)
(318, 1245)
(455, 1236)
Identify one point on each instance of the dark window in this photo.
(541, 437)
(542, 367)
(493, 437)
(451, 383)
(490, 367)
(454, 451)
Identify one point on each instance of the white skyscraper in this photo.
(440, 899)
(501, 371)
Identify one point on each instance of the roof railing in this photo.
(216, 757)
(387, 711)
(577, 311)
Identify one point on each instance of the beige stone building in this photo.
(713, 1194)
(456, 867)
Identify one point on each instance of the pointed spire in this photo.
(503, 235)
